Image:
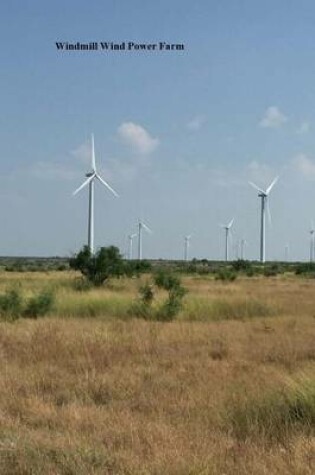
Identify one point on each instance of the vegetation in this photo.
(13, 306)
(172, 284)
(226, 387)
(88, 397)
(97, 268)
(169, 308)
(107, 262)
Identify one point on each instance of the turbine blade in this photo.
(93, 154)
(86, 182)
(107, 185)
(146, 228)
(230, 223)
(272, 185)
(256, 187)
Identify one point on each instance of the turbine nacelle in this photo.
(228, 226)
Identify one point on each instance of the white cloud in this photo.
(137, 137)
(304, 128)
(305, 165)
(196, 123)
(273, 118)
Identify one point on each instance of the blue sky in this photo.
(177, 133)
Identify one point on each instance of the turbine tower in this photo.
(264, 203)
(141, 225)
(91, 176)
(186, 246)
(227, 228)
(312, 242)
(243, 244)
(130, 239)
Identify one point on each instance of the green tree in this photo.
(97, 268)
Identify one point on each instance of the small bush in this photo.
(147, 294)
(39, 305)
(225, 275)
(168, 310)
(242, 265)
(305, 268)
(273, 270)
(11, 305)
(143, 308)
(172, 284)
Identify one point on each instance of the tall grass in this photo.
(276, 414)
(91, 396)
(226, 309)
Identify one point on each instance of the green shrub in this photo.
(11, 305)
(147, 293)
(143, 308)
(168, 310)
(305, 268)
(226, 275)
(172, 284)
(39, 305)
(107, 262)
(273, 270)
(242, 265)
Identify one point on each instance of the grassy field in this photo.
(228, 387)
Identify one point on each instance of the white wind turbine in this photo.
(243, 244)
(312, 242)
(91, 176)
(227, 228)
(263, 195)
(130, 239)
(186, 246)
(141, 225)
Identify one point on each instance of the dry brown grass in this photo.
(99, 396)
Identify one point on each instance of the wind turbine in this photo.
(263, 195)
(186, 246)
(141, 225)
(91, 176)
(227, 228)
(243, 244)
(312, 242)
(130, 239)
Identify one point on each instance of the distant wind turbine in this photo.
(264, 195)
(130, 239)
(227, 228)
(312, 242)
(141, 225)
(186, 246)
(91, 176)
(243, 244)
